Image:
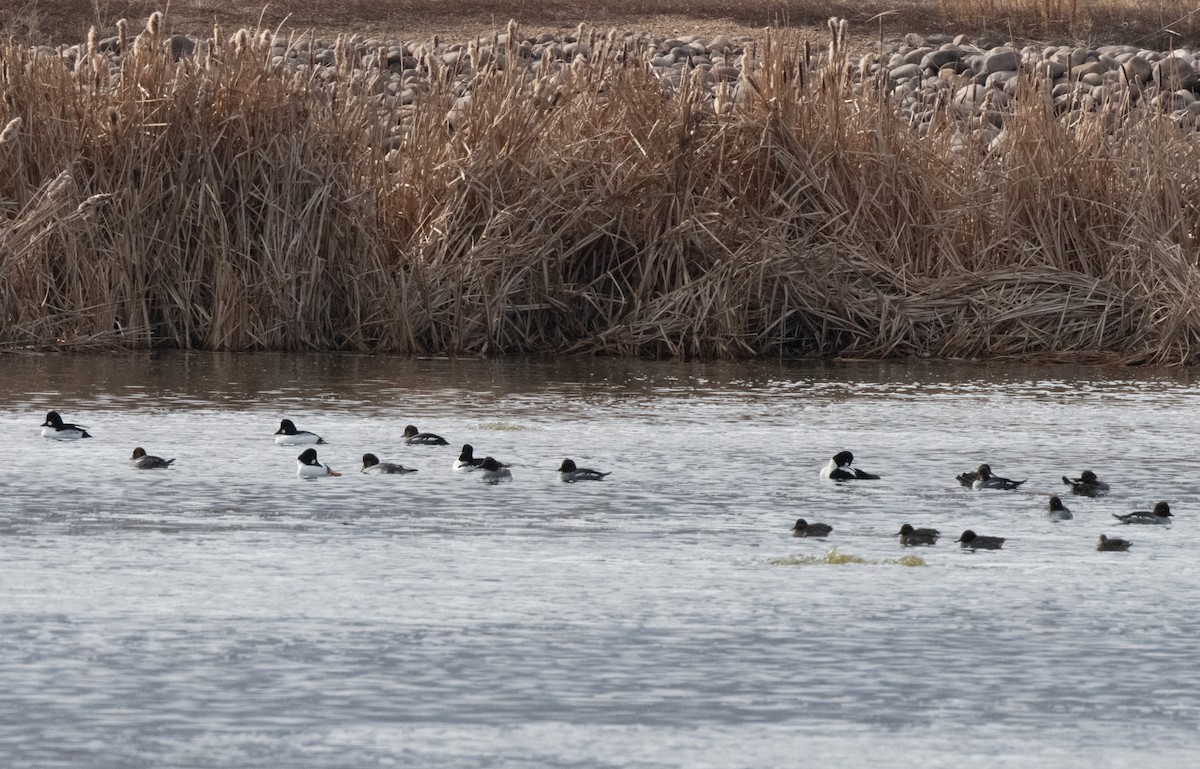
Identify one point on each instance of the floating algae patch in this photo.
(835, 558)
(502, 427)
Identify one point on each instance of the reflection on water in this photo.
(226, 613)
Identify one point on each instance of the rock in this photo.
(1001, 60)
(904, 72)
(941, 57)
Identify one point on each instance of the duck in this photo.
(983, 478)
(288, 435)
(143, 461)
(1161, 514)
(1086, 485)
(1113, 544)
(839, 469)
(307, 466)
(910, 537)
(803, 528)
(493, 471)
(466, 459)
(415, 438)
(569, 473)
(972, 541)
(55, 428)
(371, 464)
(1056, 510)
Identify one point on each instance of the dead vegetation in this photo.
(219, 203)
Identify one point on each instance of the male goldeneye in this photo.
(1087, 485)
(412, 437)
(1056, 510)
(909, 536)
(1161, 514)
(1112, 544)
(839, 469)
(371, 464)
(307, 466)
(803, 528)
(143, 461)
(55, 428)
(466, 459)
(569, 473)
(983, 478)
(288, 435)
(972, 541)
(493, 472)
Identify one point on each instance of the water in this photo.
(225, 613)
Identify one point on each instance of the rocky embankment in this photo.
(982, 82)
(922, 74)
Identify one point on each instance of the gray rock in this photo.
(905, 72)
(1001, 60)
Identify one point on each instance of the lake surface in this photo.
(225, 613)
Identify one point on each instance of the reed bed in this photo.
(217, 201)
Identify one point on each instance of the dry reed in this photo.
(219, 202)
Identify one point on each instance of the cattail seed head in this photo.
(10, 130)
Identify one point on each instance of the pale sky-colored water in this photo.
(225, 613)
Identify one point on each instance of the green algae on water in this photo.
(836, 558)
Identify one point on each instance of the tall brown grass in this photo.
(220, 202)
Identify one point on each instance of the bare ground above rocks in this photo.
(1147, 23)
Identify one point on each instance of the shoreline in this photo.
(603, 194)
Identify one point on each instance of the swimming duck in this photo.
(288, 435)
(910, 537)
(493, 472)
(1087, 485)
(1056, 510)
(569, 473)
(805, 529)
(983, 478)
(466, 460)
(143, 461)
(1161, 514)
(414, 438)
(371, 464)
(55, 428)
(972, 541)
(307, 466)
(839, 469)
(1112, 544)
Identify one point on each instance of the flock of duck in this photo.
(309, 466)
(840, 468)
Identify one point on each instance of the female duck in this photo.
(493, 472)
(569, 473)
(307, 466)
(1087, 485)
(1113, 544)
(803, 528)
(55, 428)
(288, 435)
(911, 537)
(371, 464)
(415, 438)
(839, 469)
(972, 541)
(1056, 510)
(143, 461)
